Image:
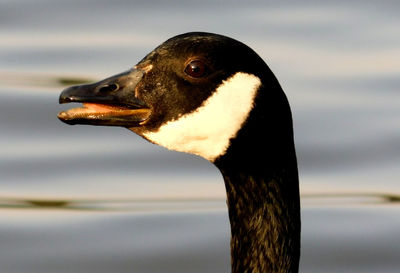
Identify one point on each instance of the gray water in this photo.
(94, 199)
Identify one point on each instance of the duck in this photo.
(213, 96)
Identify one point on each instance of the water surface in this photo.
(94, 199)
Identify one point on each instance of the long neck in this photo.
(261, 180)
(265, 223)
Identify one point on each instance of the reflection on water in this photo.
(183, 204)
(39, 81)
(95, 199)
(117, 205)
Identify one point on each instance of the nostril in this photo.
(109, 88)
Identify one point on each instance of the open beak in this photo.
(110, 102)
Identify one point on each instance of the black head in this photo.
(172, 81)
(186, 69)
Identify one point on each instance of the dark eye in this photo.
(196, 69)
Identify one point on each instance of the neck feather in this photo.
(265, 223)
(261, 180)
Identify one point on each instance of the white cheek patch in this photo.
(207, 130)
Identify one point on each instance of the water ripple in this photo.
(184, 204)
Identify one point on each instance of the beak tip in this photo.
(64, 117)
(72, 94)
(63, 98)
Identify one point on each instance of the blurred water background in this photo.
(95, 199)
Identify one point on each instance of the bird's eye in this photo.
(196, 69)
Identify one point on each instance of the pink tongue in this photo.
(101, 107)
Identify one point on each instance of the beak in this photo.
(110, 102)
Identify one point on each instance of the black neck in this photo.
(261, 180)
(265, 223)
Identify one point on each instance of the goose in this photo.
(213, 96)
